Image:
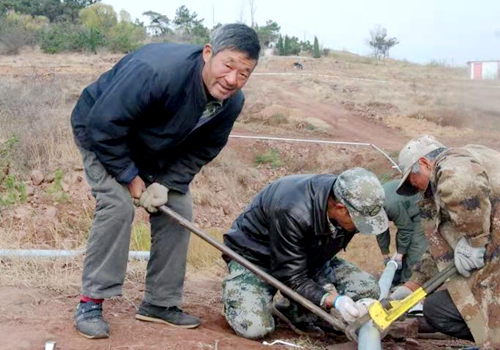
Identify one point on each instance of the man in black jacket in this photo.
(293, 229)
(144, 129)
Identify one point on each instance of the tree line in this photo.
(87, 25)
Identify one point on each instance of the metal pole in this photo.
(338, 324)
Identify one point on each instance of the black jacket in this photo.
(143, 117)
(285, 230)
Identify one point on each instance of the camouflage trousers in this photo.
(248, 300)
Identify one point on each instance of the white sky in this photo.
(453, 31)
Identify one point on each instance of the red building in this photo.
(484, 70)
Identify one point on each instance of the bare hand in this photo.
(136, 187)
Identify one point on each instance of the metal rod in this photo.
(436, 281)
(394, 164)
(338, 324)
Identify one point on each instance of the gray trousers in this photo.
(109, 240)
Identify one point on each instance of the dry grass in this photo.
(36, 105)
(36, 112)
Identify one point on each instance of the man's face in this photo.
(340, 214)
(225, 73)
(421, 180)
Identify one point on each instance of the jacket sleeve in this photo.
(405, 226)
(425, 269)
(126, 97)
(289, 256)
(384, 241)
(190, 159)
(462, 195)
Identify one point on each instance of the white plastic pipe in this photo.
(394, 164)
(20, 253)
(369, 336)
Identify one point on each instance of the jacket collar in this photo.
(321, 187)
(197, 85)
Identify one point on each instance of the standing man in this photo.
(145, 129)
(411, 243)
(293, 229)
(461, 220)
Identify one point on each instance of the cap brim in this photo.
(370, 225)
(405, 188)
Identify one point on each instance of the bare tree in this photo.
(253, 8)
(380, 43)
(241, 14)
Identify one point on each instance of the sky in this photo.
(446, 31)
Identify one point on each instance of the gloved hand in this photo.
(399, 259)
(154, 196)
(468, 258)
(349, 310)
(400, 293)
(387, 258)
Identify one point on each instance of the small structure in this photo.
(484, 70)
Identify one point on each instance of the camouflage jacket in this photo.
(463, 200)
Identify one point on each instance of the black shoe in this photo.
(89, 321)
(301, 328)
(169, 315)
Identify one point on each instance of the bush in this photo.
(126, 37)
(17, 31)
(271, 157)
(70, 37)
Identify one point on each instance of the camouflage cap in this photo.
(410, 154)
(361, 192)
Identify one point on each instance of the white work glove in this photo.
(349, 310)
(400, 293)
(154, 196)
(468, 258)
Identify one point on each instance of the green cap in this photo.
(363, 195)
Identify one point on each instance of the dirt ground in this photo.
(332, 99)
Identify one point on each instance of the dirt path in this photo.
(348, 125)
(29, 318)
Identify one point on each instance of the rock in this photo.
(36, 177)
(404, 329)
(30, 190)
(50, 178)
(412, 344)
(21, 213)
(50, 214)
(65, 186)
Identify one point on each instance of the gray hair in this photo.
(238, 37)
(415, 169)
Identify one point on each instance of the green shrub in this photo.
(6, 153)
(271, 157)
(12, 191)
(61, 37)
(126, 37)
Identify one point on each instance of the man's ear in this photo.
(422, 161)
(207, 52)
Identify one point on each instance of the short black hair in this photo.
(236, 36)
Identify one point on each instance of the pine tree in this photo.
(316, 52)
(280, 46)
